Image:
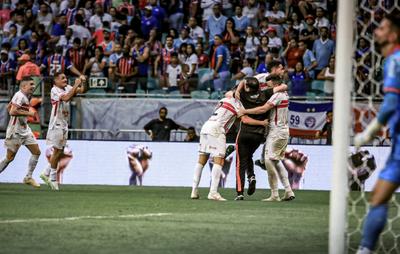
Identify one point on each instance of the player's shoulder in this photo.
(19, 96)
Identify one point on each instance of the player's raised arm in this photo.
(16, 110)
(68, 96)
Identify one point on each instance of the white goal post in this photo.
(341, 125)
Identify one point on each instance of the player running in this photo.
(388, 38)
(18, 132)
(278, 136)
(57, 134)
(213, 140)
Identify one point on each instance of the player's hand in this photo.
(361, 139)
(241, 112)
(237, 95)
(77, 82)
(266, 122)
(82, 78)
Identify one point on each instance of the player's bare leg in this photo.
(377, 215)
(35, 154)
(215, 177)
(197, 175)
(8, 159)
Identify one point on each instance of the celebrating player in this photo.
(387, 36)
(18, 131)
(138, 157)
(61, 95)
(213, 139)
(278, 137)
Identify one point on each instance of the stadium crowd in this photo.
(177, 46)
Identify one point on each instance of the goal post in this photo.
(341, 125)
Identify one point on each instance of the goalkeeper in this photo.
(388, 39)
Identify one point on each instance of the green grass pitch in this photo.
(158, 220)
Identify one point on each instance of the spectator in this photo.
(292, 54)
(327, 128)
(263, 67)
(220, 64)
(237, 56)
(58, 29)
(362, 48)
(22, 47)
(328, 75)
(175, 14)
(96, 21)
(323, 48)
(126, 4)
(309, 60)
(230, 35)
(107, 44)
(114, 57)
(66, 40)
(148, 21)
(27, 68)
(155, 47)
(183, 81)
(207, 7)
(126, 71)
(251, 11)
(290, 32)
(192, 60)
(264, 26)
(45, 17)
(77, 55)
(160, 129)
(262, 50)
(297, 24)
(196, 32)
(166, 53)
(173, 73)
(245, 72)
(241, 21)
(158, 12)
(57, 62)
(203, 57)
(191, 135)
(274, 40)
(321, 20)
(12, 21)
(182, 53)
(183, 37)
(310, 33)
(276, 17)
(70, 12)
(141, 54)
(7, 71)
(215, 23)
(80, 31)
(252, 43)
(299, 79)
(12, 37)
(96, 64)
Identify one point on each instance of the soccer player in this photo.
(18, 132)
(138, 157)
(213, 139)
(277, 139)
(61, 95)
(387, 36)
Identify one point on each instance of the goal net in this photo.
(366, 97)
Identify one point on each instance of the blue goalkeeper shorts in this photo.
(391, 171)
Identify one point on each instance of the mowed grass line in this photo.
(191, 226)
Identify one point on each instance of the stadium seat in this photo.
(205, 85)
(200, 95)
(317, 87)
(152, 83)
(158, 93)
(217, 95)
(174, 94)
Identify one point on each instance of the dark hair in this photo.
(79, 19)
(273, 64)
(193, 48)
(191, 128)
(174, 54)
(329, 112)
(166, 110)
(26, 78)
(77, 40)
(394, 18)
(252, 83)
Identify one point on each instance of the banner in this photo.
(306, 118)
(172, 164)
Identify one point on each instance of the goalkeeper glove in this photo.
(368, 134)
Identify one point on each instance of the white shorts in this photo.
(215, 145)
(57, 138)
(16, 140)
(275, 146)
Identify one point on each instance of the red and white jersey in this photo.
(279, 113)
(60, 109)
(262, 80)
(19, 124)
(224, 116)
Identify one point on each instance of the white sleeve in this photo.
(17, 100)
(275, 99)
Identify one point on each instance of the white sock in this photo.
(197, 176)
(283, 175)
(3, 164)
(215, 177)
(32, 164)
(272, 177)
(53, 175)
(46, 172)
(363, 250)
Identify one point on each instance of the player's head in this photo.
(27, 85)
(251, 85)
(191, 133)
(275, 67)
(163, 112)
(329, 116)
(60, 80)
(387, 34)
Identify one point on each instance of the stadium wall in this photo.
(105, 163)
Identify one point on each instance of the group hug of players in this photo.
(261, 103)
(18, 131)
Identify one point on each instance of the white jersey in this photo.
(60, 109)
(279, 113)
(19, 124)
(262, 80)
(224, 116)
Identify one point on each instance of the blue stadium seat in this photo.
(217, 95)
(152, 83)
(205, 85)
(317, 87)
(158, 93)
(200, 95)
